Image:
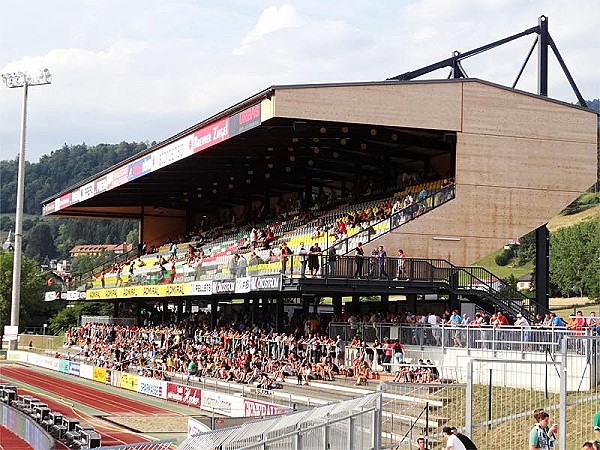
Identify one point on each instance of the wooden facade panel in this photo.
(525, 163)
(502, 112)
(157, 230)
(414, 105)
(481, 218)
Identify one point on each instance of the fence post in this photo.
(377, 417)
(469, 400)
(562, 425)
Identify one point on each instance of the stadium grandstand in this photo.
(385, 193)
(448, 171)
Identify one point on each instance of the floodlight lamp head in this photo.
(21, 79)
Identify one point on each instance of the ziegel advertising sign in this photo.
(183, 394)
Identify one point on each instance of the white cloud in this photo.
(145, 70)
(270, 21)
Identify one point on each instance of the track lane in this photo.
(95, 398)
(110, 435)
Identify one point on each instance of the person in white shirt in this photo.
(453, 442)
(524, 323)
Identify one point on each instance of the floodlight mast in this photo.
(21, 80)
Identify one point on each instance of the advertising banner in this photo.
(183, 394)
(64, 366)
(173, 152)
(74, 369)
(139, 167)
(242, 285)
(51, 296)
(99, 374)
(228, 405)
(86, 371)
(244, 120)
(87, 191)
(211, 135)
(266, 283)
(162, 290)
(129, 382)
(254, 408)
(201, 288)
(223, 286)
(196, 427)
(153, 387)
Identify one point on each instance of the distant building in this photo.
(7, 245)
(525, 283)
(96, 249)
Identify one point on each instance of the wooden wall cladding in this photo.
(412, 104)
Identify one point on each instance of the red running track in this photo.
(92, 397)
(10, 441)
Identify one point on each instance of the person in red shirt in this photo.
(502, 320)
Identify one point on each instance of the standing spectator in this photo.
(453, 443)
(541, 435)
(331, 259)
(421, 445)
(382, 256)
(359, 255)
(313, 259)
(285, 254)
(232, 266)
(596, 424)
(524, 323)
(401, 273)
(241, 266)
(467, 442)
(303, 259)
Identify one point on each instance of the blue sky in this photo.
(145, 70)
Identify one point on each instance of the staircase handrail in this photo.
(442, 196)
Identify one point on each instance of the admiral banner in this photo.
(129, 382)
(223, 287)
(242, 285)
(187, 395)
(201, 287)
(161, 290)
(266, 283)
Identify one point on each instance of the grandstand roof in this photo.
(278, 139)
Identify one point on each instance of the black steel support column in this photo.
(453, 302)
(542, 236)
(214, 305)
(165, 311)
(337, 305)
(255, 305)
(542, 266)
(385, 302)
(307, 300)
(411, 303)
(188, 306)
(543, 56)
(116, 308)
(179, 306)
(279, 315)
(246, 305)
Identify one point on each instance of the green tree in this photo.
(575, 259)
(33, 310)
(40, 243)
(69, 315)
